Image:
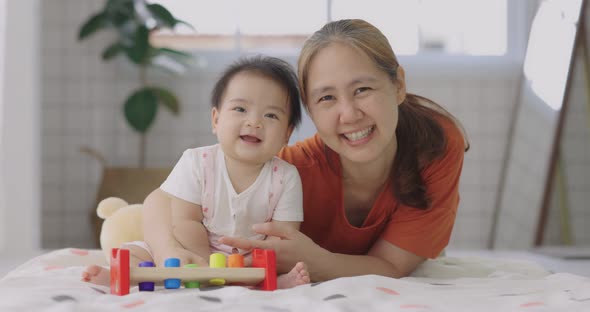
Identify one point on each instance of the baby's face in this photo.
(252, 123)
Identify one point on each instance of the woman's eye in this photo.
(271, 115)
(239, 109)
(361, 89)
(326, 98)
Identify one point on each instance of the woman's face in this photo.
(354, 104)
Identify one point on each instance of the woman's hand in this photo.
(292, 247)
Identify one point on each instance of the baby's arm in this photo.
(158, 231)
(188, 228)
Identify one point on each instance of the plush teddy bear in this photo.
(122, 223)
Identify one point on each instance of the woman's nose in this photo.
(349, 111)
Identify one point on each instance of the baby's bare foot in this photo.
(96, 274)
(297, 276)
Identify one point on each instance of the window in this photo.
(413, 27)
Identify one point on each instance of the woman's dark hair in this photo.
(420, 137)
(270, 67)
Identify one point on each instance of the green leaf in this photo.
(115, 4)
(141, 108)
(112, 51)
(175, 52)
(94, 23)
(120, 12)
(186, 24)
(162, 15)
(167, 99)
(139, 48)
(128, 32)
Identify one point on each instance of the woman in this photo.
(381, 176)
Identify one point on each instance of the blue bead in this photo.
(172, 262)
(172, 283)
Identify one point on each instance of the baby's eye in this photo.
(361, 89)
(271, 115)
(239, 109)
(326, 98)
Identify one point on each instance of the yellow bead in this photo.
(217, 260)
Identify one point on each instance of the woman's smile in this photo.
(359, 136)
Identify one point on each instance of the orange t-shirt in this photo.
(423, 232)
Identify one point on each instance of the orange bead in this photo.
(235, 261)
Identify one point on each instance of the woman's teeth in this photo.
(355, 136)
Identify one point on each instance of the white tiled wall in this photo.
(82, 106)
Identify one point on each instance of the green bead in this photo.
(191, 284)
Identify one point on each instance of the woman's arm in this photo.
(383, 259)
(283, 224)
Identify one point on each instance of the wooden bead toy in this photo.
(262, 274)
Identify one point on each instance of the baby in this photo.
(223, 189)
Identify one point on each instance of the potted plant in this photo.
(133, 21)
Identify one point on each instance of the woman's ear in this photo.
(214, 119)
(401, 85)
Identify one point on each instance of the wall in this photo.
(20, 128)
(82, 107)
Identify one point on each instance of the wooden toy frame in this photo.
(263, 272)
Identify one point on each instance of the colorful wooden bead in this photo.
(235, 261)
(217, 260)
(146, 286)
(172, 283)
(191, 284)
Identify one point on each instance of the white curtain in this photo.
(2, 48)
(19, 146)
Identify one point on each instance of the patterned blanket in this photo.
(51, 282)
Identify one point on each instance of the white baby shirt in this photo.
(234, 214)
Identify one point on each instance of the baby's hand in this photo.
(184, 255)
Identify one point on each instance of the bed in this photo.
(51, 282)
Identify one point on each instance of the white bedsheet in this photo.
(51, 282)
